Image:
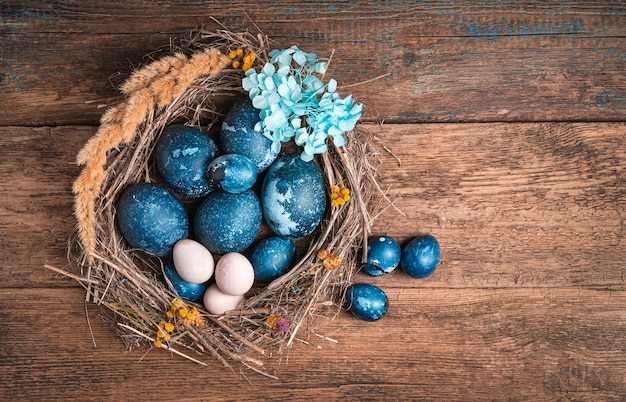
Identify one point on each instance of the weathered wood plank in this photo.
(521, 344)
(513, 204)
(525, 205)
(444, 62)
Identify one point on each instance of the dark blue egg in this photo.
(184, 289)
(239, 137)
(151, 218)
(368, 302)
(293, 196)
(420, 257)
(271, 258)
(235, 173)
(226, 222)
(383, 255)
(182, 155)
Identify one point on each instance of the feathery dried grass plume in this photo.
(194, 85)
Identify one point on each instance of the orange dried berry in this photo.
(239, 52)
(232, 54)
(236, 64)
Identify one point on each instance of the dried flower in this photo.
(330, 261)
(295, 103)
(283, 324)
(242, 58)
(339, 196)
(179, 317)
(272, 322)
(277, 323)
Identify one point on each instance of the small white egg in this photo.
(234, 274)
(218, 302)
(193, 262)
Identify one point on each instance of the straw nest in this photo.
(194, 84)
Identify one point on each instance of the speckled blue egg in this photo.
(235, 173)
(420, 257)
(239, 137)
(184, 289)
(151, 218)
(271, 258)
(383, 255)
(226, 222)
(293, 197)
(367, 302)
(182, 156)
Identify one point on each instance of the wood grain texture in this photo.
(497, 344)
(443, 61)
(504, 135)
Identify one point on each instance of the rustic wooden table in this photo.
(508, 120)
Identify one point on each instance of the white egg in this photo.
(218, 302)
(193, 262)
(234, 274)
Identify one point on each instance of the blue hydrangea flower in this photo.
(295, 103)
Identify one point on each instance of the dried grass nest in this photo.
(194, 84)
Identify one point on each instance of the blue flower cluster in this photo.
(295, 103)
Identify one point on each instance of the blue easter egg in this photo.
(239, 137)
(420, 257)
(293, 197)
(151, 218)
(235, 173)
(367, 302)
(226, 222)
(271, 257)
(383, 255)
(184, 289)
(182, 155)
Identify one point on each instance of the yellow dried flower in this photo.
(158, 344)
(242, 58)
(339, 196)
(163, 334)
